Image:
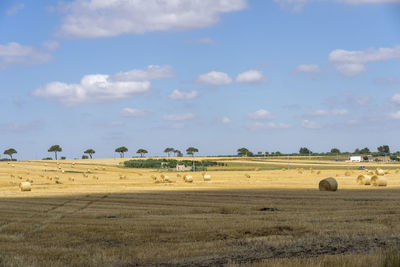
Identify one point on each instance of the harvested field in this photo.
(276, 217)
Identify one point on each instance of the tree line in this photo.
(88, 153)
(383, 150)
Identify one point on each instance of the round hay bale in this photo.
(283, 169)
(347, 173)
(318, 172)
(397, 171)
(370, 173)
(387, 172)
(364, 179)
(380, 182)
(25, 186)
(380, 172)
(328, 184)
(374, 178)
(247, 175)
(188, 179)
(207, 177)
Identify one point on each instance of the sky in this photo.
(272, 75)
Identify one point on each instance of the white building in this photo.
(356, 158)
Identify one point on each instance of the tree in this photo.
(304, 150)
(10, 152)
(168, 150)
(142, 152)
(55, 149)
(90, 152)
(178, 153)
(191, 151)
(384, 149)
(243, 151)
(335, 151)
(365, 150)
(121, 150)
(277, 153)
(357, 151)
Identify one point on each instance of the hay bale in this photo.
(25, 186)
(318, 172)
(311, 170)
(347, 173)
(71, 179)
(370, 173)
(178, 175)
(207, 177)
(380, 172)
(247, 175)
(283, 169)
(387, 172)
(328, 184)
(380, 181)
(397, 171)
(188, 179)
(364, 179)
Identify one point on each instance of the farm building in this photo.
(356, 158)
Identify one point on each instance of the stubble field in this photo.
(84, 214)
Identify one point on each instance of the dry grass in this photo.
(275, 218)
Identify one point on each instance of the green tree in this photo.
(55, 149)
(191, 151)
(365, 150)
(168, 150)
(121, 150)
(178, 153)
(90, 152)
(243, 151)
(384, 149)
(304, 150)
(335, 151)
(10, 152)
(142, 151)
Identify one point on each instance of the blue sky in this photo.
(214, 74)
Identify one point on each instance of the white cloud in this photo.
(386, 81)
(151, 72)
(267, 125)
(352, 63)
(100, 18)
(98, 88)
(297, 5)
(179, 117)
(308, 69)
(226, 120)
(339, 112)
(183, 95)
(131, 112)
(261, 114)
(395, 99)
(322, 112)
(14, 10)
(214, 78)
(205, 40)
(178, 125)
(51, 45)
(251, 76)
(115, 124)
(311, 124)
(395, 115)
(14, 53)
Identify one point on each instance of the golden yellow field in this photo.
(97, 213)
